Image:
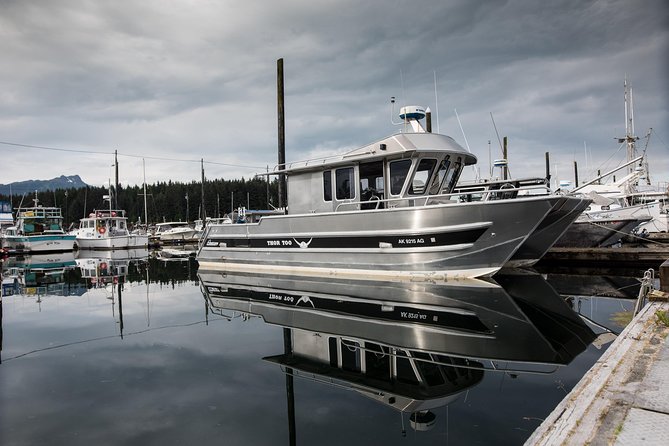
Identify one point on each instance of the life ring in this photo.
(103, 265)
(102, 230)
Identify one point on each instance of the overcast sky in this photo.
(191, 80)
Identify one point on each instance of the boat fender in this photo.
(102, 230)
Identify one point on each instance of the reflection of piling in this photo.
(290, 392)
(120, 305)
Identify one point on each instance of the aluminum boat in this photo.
(386, 210)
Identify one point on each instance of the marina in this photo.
(198, 351)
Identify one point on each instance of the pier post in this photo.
(664, 276)
(575, 174)
(548, 168)
(281, 130)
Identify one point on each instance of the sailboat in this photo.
(628, 197)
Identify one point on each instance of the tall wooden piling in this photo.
(281, 131)
(548, 168)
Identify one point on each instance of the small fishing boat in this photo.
(386, 210)
(175, 232)
(108, 229)
(599, 232)
(38, 229)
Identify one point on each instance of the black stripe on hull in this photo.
(360, 242)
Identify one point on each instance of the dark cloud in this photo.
(175, 79)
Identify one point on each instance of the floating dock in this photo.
(624, 398)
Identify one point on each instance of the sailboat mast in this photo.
(115, 180)
(146, 214)
(203, 216)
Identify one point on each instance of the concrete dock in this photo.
(624, 398)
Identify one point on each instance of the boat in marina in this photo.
(175, 232)
(631, 196)
(386, 210)
(108, 229)
(598, 232)
(6, 217)
(38, 229)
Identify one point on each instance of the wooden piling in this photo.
(281, 131)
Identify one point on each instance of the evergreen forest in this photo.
(165, 201)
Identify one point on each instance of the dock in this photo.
(624, 398)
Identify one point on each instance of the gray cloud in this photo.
(190, 81)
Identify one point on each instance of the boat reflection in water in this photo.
(37, 274)
(411, 346)
(101, 268)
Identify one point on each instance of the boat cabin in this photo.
(110, 222)
(406, 169)
(38, 220)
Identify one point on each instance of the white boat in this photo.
(628, 197)
(38, 229)
(6, 217)
(175, 231)
(108, 229)
(385, 211)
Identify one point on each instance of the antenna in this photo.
(476, 169)
(496, 132)
(436, 100)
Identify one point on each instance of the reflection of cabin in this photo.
(406, 380)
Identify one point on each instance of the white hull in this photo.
(659, 221)
(108, 243)
(39, 243)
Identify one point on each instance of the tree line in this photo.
(165, 201)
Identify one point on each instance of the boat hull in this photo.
(428, 242)
(39, 243)
(110, 243)
(549, 231)
(598, 233)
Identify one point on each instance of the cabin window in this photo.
(327, 185)
(422, 176)
(398, 173)
(371, 184)
(345, 183)
(441, 173)
(451, 178)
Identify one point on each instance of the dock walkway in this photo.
(624, 398)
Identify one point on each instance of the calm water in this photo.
(173, 361)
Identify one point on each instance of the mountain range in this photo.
(30, 186)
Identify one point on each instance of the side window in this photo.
(422, 176)
(451, 178)
(456, 175)
(327, 185)
(345, 184)
(441, 173)
(398, 173)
